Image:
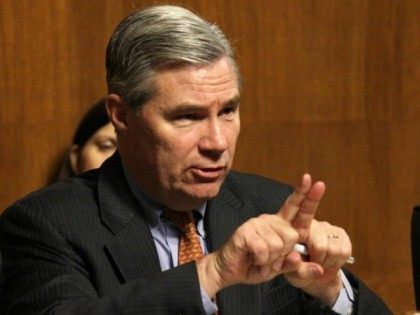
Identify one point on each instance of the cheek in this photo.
(91, 158)
(175, 152)
(177, 143)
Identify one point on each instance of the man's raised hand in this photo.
(262, 247)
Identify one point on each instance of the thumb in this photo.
(305, 274)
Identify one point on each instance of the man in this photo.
(106, 242)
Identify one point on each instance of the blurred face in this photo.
(100, 146)
(180, 146)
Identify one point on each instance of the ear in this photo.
(74, 157)
(118, 112)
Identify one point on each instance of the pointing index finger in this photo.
(308, 207)
(293, 203)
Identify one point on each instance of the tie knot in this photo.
(189, 242)
(182, 219)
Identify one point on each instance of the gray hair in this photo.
(158, 38)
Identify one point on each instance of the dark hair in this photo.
(93, 120)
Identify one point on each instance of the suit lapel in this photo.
(131, 249)
(224, 215)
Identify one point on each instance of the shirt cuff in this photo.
(345, 300)
(209, 306)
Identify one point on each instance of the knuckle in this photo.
(260, 248)
(277, 246)
(291, 238)
(324, 224)
(320, 247)
(341, 231)
(252, 221)
(346, 252)
(265, 216)
(334, 251)
(242, 229)
(294, 236)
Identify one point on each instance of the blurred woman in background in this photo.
(93, 142)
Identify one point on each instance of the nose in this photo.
(213, 139)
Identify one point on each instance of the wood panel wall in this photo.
(330, 87)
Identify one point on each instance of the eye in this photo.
(106, 145)
(187, 116)
(229, 111)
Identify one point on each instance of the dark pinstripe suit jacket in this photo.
(83, 247)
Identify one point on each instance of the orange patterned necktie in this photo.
(189, 244)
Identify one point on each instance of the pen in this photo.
(303, 250)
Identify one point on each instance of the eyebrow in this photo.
(184, 107)
(234, 101)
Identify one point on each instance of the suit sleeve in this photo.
(45, 274)
(367, 302)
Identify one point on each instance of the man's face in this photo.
(180, 145)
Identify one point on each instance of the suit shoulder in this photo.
(63, 195)
(261, 191)
(252, 181)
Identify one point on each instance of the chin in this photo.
(204, 192)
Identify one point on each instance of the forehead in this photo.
(215, 82)
(107, 129)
